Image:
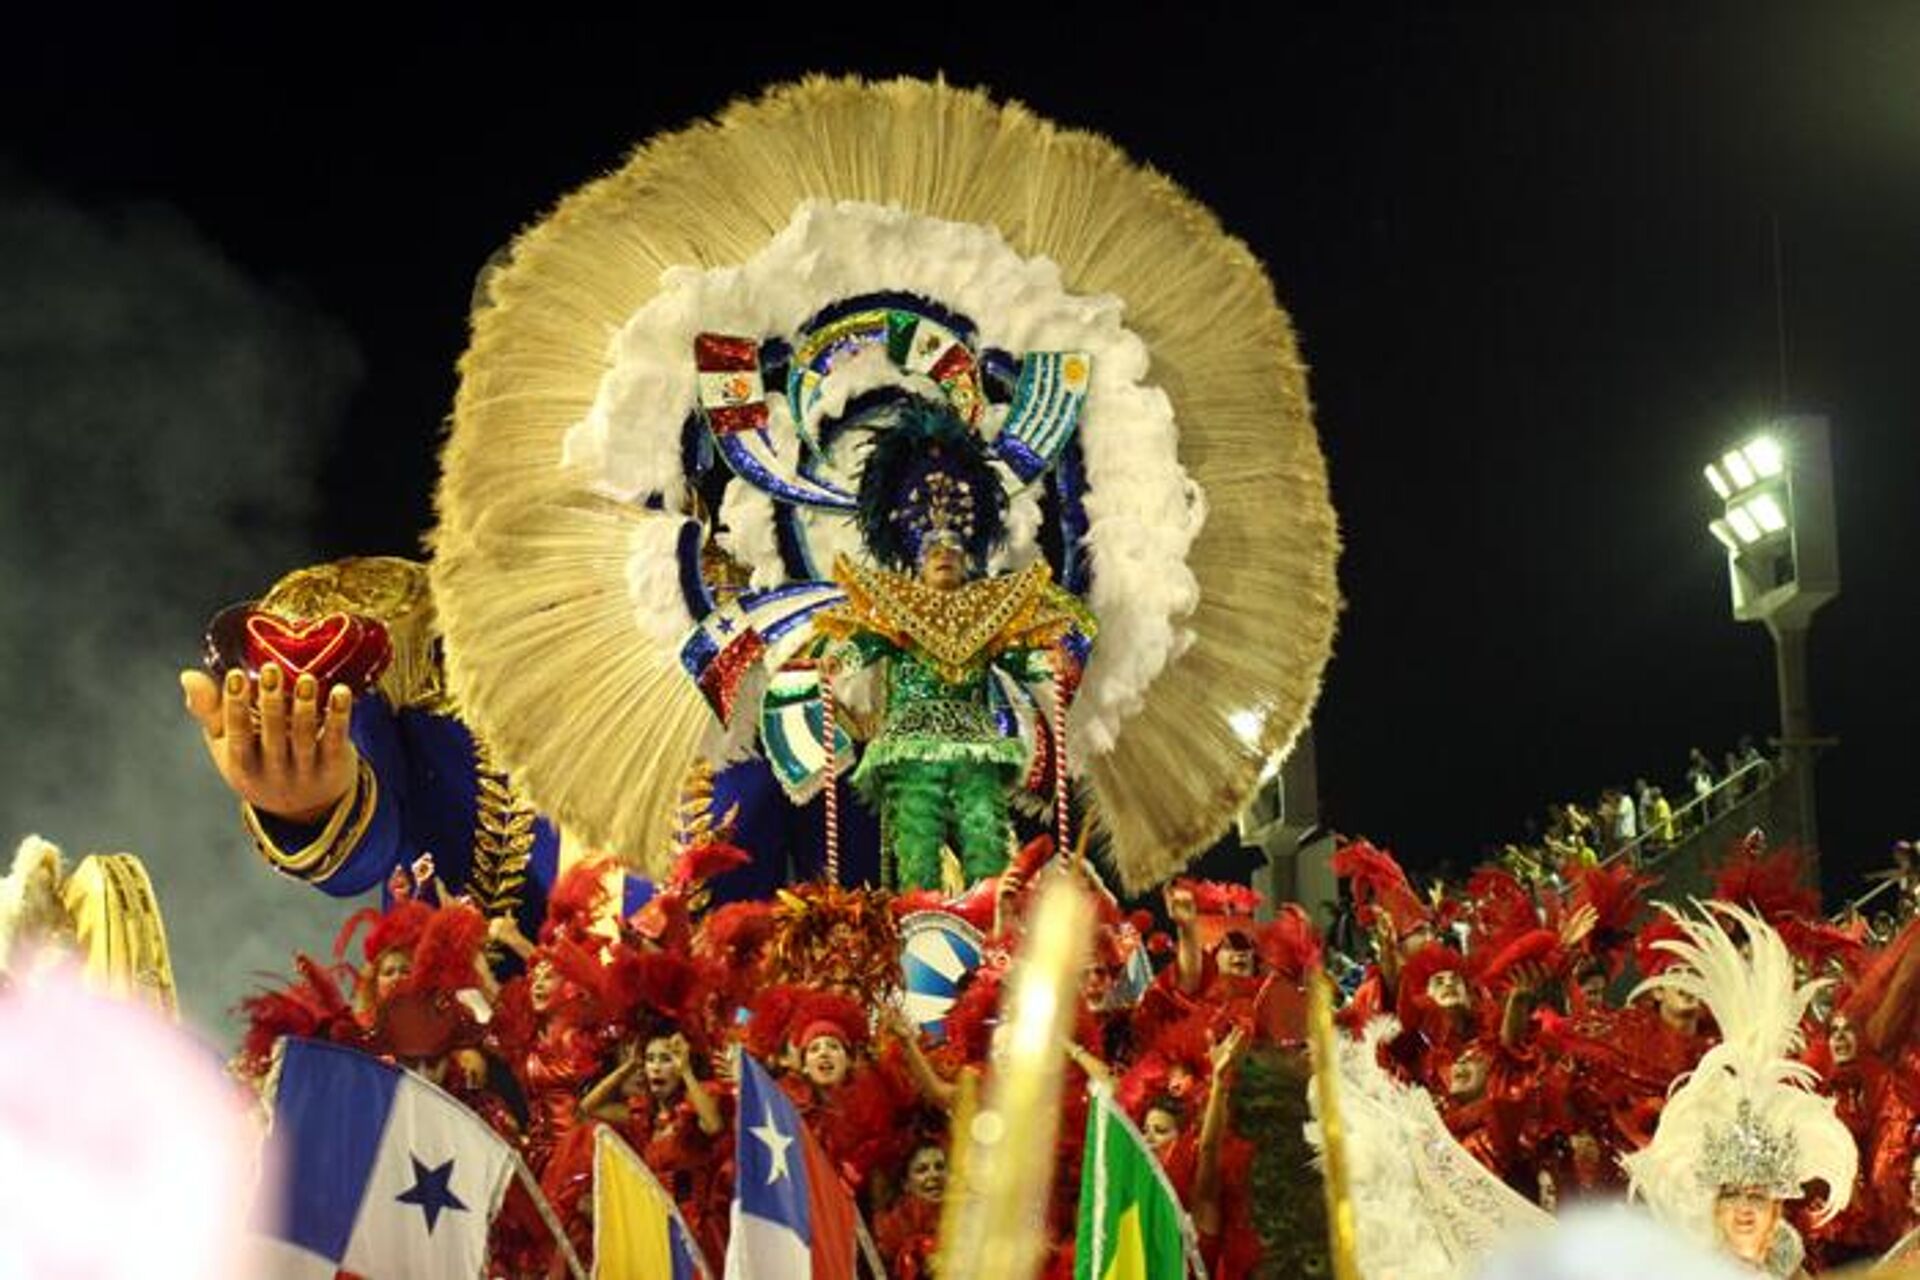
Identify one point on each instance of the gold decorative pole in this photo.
(999, 1228)
(966, 1104)
(1326, 1084)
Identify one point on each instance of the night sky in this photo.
(1529, 256)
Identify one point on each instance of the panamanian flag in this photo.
(383, 1176)
(793, 1218)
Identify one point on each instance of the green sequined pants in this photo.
(926, 802)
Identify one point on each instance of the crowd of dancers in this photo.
(1514, 1007)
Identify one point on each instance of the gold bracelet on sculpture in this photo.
(324, 854)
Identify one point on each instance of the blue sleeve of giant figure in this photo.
(788, 841)
(425, 788)
(360, 843)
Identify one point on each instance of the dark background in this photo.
(1529, 252)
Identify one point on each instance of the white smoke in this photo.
(162, 417)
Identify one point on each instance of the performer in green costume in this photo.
(940, 769)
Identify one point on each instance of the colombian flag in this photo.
(1131, 1225)
(637, 1233)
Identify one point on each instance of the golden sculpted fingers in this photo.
(203, 702)
(304, 739)
(292, 763)
(273, 721)
(238, 741)
(333, 730)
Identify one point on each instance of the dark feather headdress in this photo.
(927, 476)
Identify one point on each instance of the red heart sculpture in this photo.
(339, 648)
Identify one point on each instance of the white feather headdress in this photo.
(1747, 1115)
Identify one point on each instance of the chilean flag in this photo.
(793, 1218)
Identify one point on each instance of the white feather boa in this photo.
(1143, 510)
(1424, 1208)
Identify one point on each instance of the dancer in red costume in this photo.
(678, 1120)
(556, 1020)
(1866, 1058)
(1396, 919)
(908, 1230)
(1440, 1013)
(850, 1103)
(1616, 1066)
(1205, 1164)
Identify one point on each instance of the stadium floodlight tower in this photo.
(1783, 559)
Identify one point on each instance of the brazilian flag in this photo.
(1131, 1224)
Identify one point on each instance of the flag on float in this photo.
(383, 1175)
(638, 1234)
(793, 1217)
(1131, 1225)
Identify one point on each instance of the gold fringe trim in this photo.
(529, 568)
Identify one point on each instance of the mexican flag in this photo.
(1131, 1224)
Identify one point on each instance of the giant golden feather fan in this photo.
(547, 653)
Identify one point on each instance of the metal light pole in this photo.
(1783, 563)
(1283, 821)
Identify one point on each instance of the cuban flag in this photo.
(383, 1175)
(793, 1218)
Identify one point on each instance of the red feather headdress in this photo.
(397, 927)
(578, 901)
(1289, 944)
(1649, 957)
(1771, 883)
(818, 1013)
(1380, 888)
(445, 959)
(311, 1005)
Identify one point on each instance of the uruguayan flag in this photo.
(382, 1174)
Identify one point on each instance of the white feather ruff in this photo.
(653, 581)
(1758, 1004)
(749, 538)
(1143, 511)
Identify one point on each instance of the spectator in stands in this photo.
(1626, 820)
(1739, 786)
(1642, 794)
(1605, 821)
(1658, 815)
(1699, 781)
(1759, 768)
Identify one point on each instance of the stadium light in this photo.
(1766, 512)
(1739, 469)
(1744, 525)
(1766, 456)
(1776, 524)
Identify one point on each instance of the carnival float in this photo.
(882, 542)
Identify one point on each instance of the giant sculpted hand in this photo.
(290, 758)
